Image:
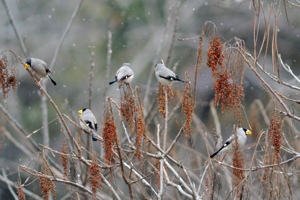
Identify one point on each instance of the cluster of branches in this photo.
(143, 159)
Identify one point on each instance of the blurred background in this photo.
(142, 33)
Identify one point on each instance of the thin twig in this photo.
(271, 76)
(108, 62)
(216, 122)
(192, 186)
(159, 149)
(17, 126)
(13, 24)
(91, 76)
(12, 192)
(174, 34)
(264, 82)
(65, 34)
(174, 142)
(202, 178)
(179, 177)
(39, 174)
(44, 107)
(27, 192)
(19, 145)
(261, 167)
(288, 68)
(33, 145)
(166, 120)
(158, 51)
(141, 177)
(262, 110)
(90, 98)
(47, 164)
(32, 74)
(161, 166)
(179, 188)
(128, 183)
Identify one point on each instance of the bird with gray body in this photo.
(124, 74)
(166, 76)
(241, 136)
(40, 68)
(88, 121)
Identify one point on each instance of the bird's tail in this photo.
(214, 154)
(113, 81)
(54, 83)
(178, 79)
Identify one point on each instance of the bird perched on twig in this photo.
(166, 76)
(88, 121)
(241, 136)
(40, 68)
(124, 74)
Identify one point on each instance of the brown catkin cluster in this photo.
(223, 90)
(161, 98)
(128, 108)
(20, 191)
(238, 175)
(275, 134)
(46, 185)
(187, 107)
(109, 134)
(8, 80)
(215, 54)
(64, 159)
(228, 73)
(228, 94)
(95, 177)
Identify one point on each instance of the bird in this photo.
(88, 121)
(165, 76)
(124, 74)
(40, 68)
(241, 134)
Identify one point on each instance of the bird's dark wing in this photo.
(90, 124)
(171, 78)
(125, 77)
(96, 127)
